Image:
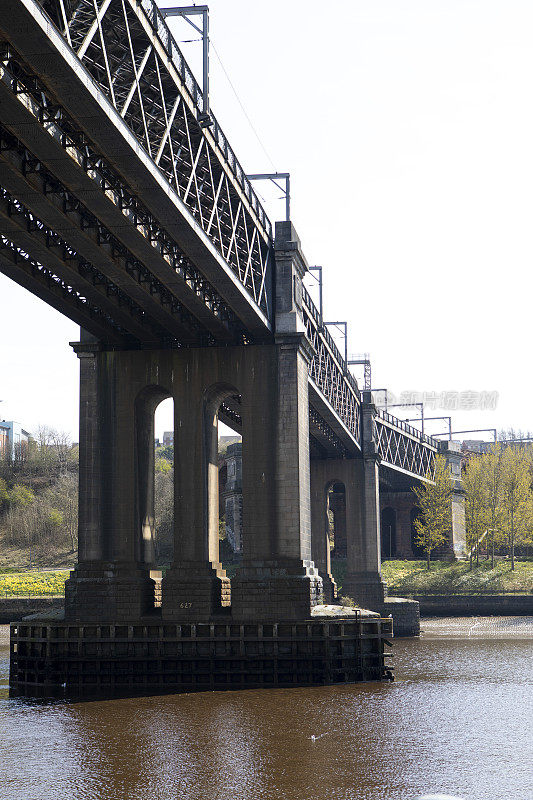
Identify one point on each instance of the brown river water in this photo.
(458, 720)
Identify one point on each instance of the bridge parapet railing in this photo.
(404, 426)
(328, 371)
(128, 50)
(403, 447)
(169, 43)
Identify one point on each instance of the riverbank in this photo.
(466, 605)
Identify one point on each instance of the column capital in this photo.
(287, 246)
(296, 341)
(86, 349)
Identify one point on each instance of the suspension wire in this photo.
(265, 151)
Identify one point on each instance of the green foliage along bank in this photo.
(499, 502)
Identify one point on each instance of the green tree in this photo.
(434, 525)
(4, 493)
(492, 471)
(516, 497)
(20, 496)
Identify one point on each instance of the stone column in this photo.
(196, 586)
(111, 580)
(278, 579)
(453, 455)
(337, 504)
(233, 496)
(363, 579)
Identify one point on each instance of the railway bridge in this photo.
(124, 207)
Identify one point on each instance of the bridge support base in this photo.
(100, 590)
(146, 656)
(366, 588)
(265, 590)
(195, 591)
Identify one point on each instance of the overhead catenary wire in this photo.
(243, 109)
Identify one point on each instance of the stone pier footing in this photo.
(195, 592)
(283, 590)
(98, 590)
(150, 656)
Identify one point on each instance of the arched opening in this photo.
(164, 483)
(223, 448)
(388, 533)
(415, 547)
(154, 474)
(336, 518)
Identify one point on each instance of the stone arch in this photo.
(146, 402)
(214, 396)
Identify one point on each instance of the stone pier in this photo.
(110, 593)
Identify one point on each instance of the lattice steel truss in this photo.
(128, 50)
(403, 447)
(328, 371)
(197, 295)
(324, 436)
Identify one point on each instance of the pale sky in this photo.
(407, 129)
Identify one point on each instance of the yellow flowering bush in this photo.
(34, 584)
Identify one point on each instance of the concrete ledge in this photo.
(463, 605)
(13, 609)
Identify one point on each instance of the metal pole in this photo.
(367, 370)
(186, 12)
(345, 326)
(427, 419)
(473, 430)
(274, 176)
(205, 44)
(320, 308)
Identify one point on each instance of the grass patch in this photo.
(448, 577)
(34, 584)
(455, 577)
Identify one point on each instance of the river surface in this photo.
(458, 720)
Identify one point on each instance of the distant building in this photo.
(168, 438)
(232, 494)
(13, 440)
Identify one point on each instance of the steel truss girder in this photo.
(106, 196)
(55, 208)
(47, 247)
(111, 42)
(53, 290)
(404, 452)
(325, 437)
(327, 372)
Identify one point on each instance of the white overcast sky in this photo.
(407, 127)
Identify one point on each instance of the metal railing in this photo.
(404, 426)
(328, 370)
(162, 30)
